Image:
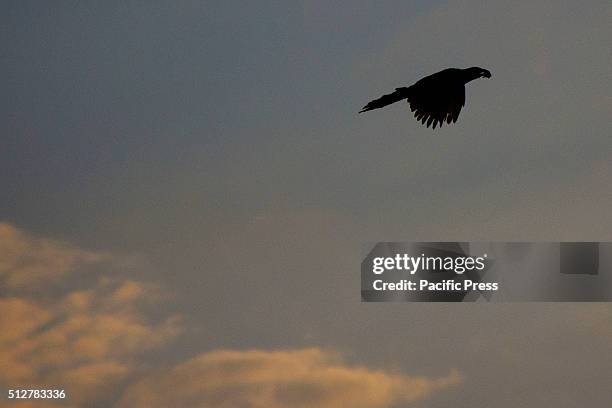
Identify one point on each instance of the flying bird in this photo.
(435, 99)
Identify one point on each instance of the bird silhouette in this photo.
(435, 99)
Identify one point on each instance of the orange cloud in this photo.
(274, 379)
(27, 261)
(89, 341)
(84, 340)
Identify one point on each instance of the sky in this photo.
(187, 188)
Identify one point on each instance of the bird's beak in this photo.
(486, 74)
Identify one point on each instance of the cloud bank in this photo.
(27, 261)
(273, 379)
(83, 340)
(90, 338)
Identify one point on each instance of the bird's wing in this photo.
(436, 102)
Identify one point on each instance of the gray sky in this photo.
(214, 150)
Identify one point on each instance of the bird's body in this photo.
(435, 99)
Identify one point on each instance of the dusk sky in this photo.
(187, 190)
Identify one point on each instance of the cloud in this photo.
(27, 261)
(84, 340)
(89, 337)
(292, 378)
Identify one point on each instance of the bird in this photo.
(435, 99)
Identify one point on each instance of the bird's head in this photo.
(476, 72)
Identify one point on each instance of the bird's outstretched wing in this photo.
(398, 95)
(433, 105)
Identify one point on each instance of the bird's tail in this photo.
(398, 95)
